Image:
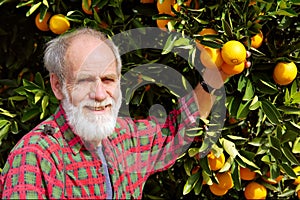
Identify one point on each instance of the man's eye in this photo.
(108, 80)
(84, 80)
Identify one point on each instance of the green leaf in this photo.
(229, 147)
(182, 42)
(249, 92)
(204, 165)
(39, 80)
(296, 146)
(198, 187)
(169, 44)
(243, 110)
(255, 104)
(4, 130)
(38, 96)
(289, 155)
(248, 162)
(24, 3)
(193, 151)
(267, 87)
(289, 110)
(288, 170)
(271, 112)
(3, 122)
(33, 8)
(227, 28)
(6, 113)
(30, 114)
(274, 142)
(14, 127)
(190, 183)
(188, 165)
(295, 98)
(236, 176)
(17, 98)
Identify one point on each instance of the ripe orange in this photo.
(232, 69)
(247, 174)
(162, 23)
(208, 31)
(88, 10)
(255, 191)
(147, 1)
(165, 7)
(297, 171)
(205, 31)
(225, 180)
(42, 25)
(211, 58)
(284, 73)
(59, 24)
(257, 40)
(272, 181)
(216, 190)
(103, 24)
(214, 162)
(233, 52)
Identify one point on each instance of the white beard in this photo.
(88, 126)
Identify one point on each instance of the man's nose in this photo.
(99, 92)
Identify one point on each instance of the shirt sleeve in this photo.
(148, 146)
(30, 173)
(173, 137)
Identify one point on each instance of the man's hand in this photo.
(214, 78)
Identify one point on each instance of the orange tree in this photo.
(261, 128)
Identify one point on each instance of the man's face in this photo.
(92, 88)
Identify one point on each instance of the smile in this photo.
(99, 108)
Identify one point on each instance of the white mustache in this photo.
(95, 104)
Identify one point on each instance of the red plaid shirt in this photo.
(59, 165)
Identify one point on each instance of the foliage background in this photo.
(262, 127)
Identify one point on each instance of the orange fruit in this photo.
(88, 10)
(205, 31)
(225, 180)
(42, 25)
(103, 24)
(147, 1)
(284, 73)
(211, 58)
(215, 163)
(216, 190)
(257, 40)
(162, 24)
(233, 52)
(208, 31)
(247, 174)
(165, 7)
(252, 2)
(297, 171)
(59, 24)
(272, 181)
(255, 190)
(232, 69)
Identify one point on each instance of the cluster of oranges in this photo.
(166, 8)
(253, 190)
(57, 23)
(230, 58)
(225, 181)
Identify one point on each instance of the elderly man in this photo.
(84, 150)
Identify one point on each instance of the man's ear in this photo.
(56, 86)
